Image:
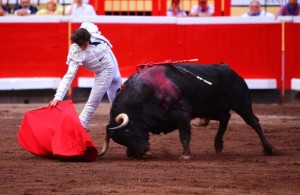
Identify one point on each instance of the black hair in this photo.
(80, 36)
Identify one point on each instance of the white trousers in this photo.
(107, 80)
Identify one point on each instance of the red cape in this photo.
(56, 132)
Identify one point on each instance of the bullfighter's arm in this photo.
(75, 59)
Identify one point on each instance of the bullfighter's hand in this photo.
(53, 103)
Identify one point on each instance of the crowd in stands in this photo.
(291, 8)
(201, 9)
(255, 10)
(51, 7)
(79, 8)
(4, 9)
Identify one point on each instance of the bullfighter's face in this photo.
(136, 141)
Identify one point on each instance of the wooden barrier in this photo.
(292, 54)
(252, 48)
(33, 50)
(36, 47)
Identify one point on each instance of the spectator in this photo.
(175, 10)
(202, 9)
(92, 51)
(51, 8)
(78, 8)
(4, 9)
(289, 9)
(255, 10)
(25, 8)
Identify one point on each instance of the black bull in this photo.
(161, 99)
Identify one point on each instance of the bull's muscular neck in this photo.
(162, 86)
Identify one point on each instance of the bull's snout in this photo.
(137, 153)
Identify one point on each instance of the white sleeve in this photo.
(245, 15)
(92, 11)
(76, 54)
(194, 10)
(211, 10)
(270, 15)
(75, 59)
(66, 81)
(68, 10)
(169, 13)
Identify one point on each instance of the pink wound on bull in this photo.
(165, 90)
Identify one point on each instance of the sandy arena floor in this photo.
(240, 169)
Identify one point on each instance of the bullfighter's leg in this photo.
(253, 121)
(221, 131)
(101, 83)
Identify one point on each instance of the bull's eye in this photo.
(126, 132)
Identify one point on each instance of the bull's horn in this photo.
(105, 146)
(121, 117)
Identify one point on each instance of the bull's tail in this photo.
(241, 99)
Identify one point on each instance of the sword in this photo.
(165, 63)
(171, 63)
(194, 75)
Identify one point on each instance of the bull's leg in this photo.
(183, 114)
(185, 138)
(221, 131)
(253, 121)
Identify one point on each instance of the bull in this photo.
(161, 99)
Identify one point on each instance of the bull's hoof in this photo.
(185, 157)
(148, 155)
(219, 150)
(135, 156)
(268, 151)
(200, 122)
(219, 147)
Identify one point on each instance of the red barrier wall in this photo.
(33, 49)
(292, 50)
(253, 49)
